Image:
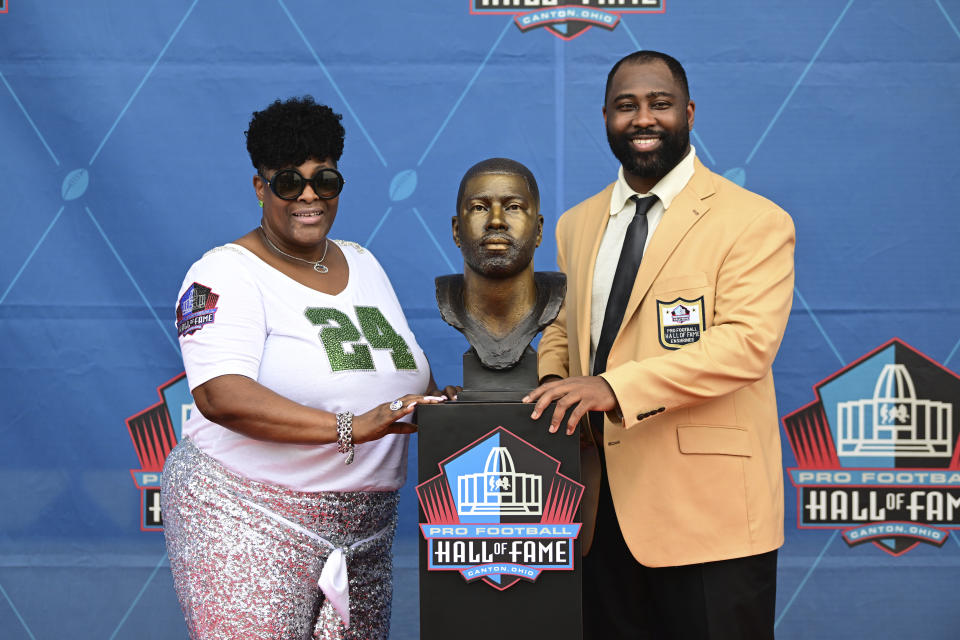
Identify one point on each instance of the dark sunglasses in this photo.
(288, 184)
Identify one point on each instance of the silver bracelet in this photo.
(345, 435)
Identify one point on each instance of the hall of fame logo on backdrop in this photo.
(878, 451)
(155, 431)
(566, 19)
(500, 511)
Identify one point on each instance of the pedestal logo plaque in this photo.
(500, 511)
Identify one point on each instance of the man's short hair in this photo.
(504, 166)
(645, 56)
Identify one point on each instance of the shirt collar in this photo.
(666, 189)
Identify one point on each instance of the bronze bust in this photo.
(499, 303)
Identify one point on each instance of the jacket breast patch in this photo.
(680, 321)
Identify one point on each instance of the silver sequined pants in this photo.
(246, 556)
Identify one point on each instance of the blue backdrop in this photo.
(122, 160)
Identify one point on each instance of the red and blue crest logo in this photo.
(500, 511)
(155, 431)
(878, 451)
(197, 307)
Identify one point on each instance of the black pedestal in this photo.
(499, 512)
(505, 385)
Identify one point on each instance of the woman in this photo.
(279, 505)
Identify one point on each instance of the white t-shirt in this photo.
(345, 352)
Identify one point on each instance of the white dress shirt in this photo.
(621, 213)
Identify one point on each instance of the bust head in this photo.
(499, 303)
(498, 223)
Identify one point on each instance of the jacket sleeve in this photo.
(553, 352)
(754, 293)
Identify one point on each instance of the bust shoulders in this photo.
(501, 352)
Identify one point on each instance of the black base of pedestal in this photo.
(452, 607)
(506, 385)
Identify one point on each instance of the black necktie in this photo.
(623, 280)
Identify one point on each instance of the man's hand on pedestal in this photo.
(582, 393)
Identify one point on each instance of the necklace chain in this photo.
(318, 266)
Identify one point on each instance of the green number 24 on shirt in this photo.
(338, 330)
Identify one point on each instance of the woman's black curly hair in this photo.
(288, 133)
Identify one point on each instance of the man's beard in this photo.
(500, 264)
(650, 164)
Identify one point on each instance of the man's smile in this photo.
(645, 142)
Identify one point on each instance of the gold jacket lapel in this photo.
(595, 223)
(690, 205)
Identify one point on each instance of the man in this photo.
(684, 508)
(499, 303)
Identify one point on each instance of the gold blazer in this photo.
(694, 463)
